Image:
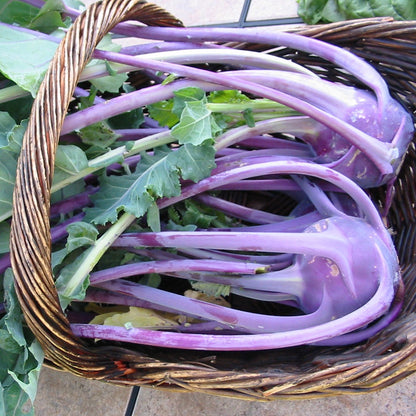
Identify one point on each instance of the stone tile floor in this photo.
(64, 394)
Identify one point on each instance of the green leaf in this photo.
(66, 296)
(129, 120)
(28, 380)
(19, 109)
(248, 117)
(16, 402)
(24, 57)
(17, 12)
(228, 97)
(110, 83)
(195, 125)
(323, 11)
(15, 137)
(6, 125)
(49, 18)
(8, 165)
(156, 176)
(69, 160)
(153, 217)
(162, 112)
(80, 234)
(13, 319)
(4, 237)
(98, 134)
(7, 343)
(21, 358)
(211, 289)
(184, 95)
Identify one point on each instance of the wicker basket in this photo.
(301, 372)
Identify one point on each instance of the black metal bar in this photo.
(132, 401)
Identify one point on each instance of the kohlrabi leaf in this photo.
(110, 83)
(66, 292)
(6, 124)
(323, 11)
(17, 12)
(196, 124)
(98, 134)
(8, 165)
(211, 289)
(137, 318)
(15, 137)
(21, 358)
(162, 112)
(4, 237)
(227, 97)
(69, 160)
(11, 134)
(184, 95)
(156, 176)
(24, 57)
(80, 234)
(128, 120)
(49, 17)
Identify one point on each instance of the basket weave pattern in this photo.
(302, 372)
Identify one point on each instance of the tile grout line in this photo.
(131, 405)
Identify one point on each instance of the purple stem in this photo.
(277, 166)
(252, 215)
(167, 266)
(72, 203)
(234, 319)
(378, 152)
(112, 298)
(275, 261)
(268, 142)
(299, 126)
(152, 47)
(339, 56)
(134, 134)
(362, 316)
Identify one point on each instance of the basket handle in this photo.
(30, 244)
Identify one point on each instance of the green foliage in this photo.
(325, 11)
(21, 358)
(156, 176)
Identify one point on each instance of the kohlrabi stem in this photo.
(234, 319)
(96, 251)
(167, 266)
(228, 56)
(242, 212)
(341, 57)
(252, 168)
(104, 296)
(360, 317)
(317, 196)
(295, 125)
(382, 154)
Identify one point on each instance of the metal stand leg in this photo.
(132, 401)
